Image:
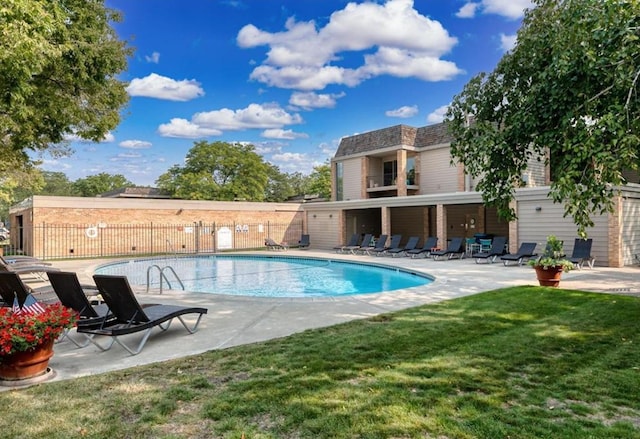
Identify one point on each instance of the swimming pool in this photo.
(267, 276)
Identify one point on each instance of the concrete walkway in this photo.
(233, 321)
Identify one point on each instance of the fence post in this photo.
(215, 237)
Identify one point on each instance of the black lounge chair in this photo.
(380, 245)
(429, 244)
(353, 241)
(395, 242)
(73, 295)
(497, 249)
(272, 245)
(455, 248)
(31, 267)
(411, 244)
(582, 253)
(525, 252)
(366, 242)
(305, 242)
(12, 286)
(128, 317)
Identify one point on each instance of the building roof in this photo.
(135, 192)
(395, 136)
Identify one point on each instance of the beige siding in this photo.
(437, 175)
(323, 227)
(352, 179)
(534, 226)
(630, 241)
(408, 221)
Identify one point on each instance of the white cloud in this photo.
(289, 157)
(437, 115)
(512, 9)
(127, 156)
(161, 87)
(183, 128)
(468, 10)
(135, 144)
(254, 116)
(304, 57)
(212, 123)
(310, 100)
(153, 58)
(278, 133)
(108, 138)
(404, 112)
(508, 42)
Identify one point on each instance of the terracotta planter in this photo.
(550, 276)
(25, 365)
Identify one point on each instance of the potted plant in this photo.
(552, 263)
(26, 339)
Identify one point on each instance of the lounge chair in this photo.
(429, 244)
(272, 245)
(74, 295)
(305, 242)
(525, 252)
(35, 269)
(11, 286)
(411, 244)
(455, 248)
(395, 242)
(366, 242)
(352, 241)
(131, 318)
(497, 249)
(380, 245)
(22, 259)
(582, 253)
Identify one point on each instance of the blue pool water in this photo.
(267, 276)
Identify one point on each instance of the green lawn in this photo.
(523, 362)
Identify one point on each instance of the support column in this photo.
(385, 218)
(614, 240)
(513, 230)
(441, 225)
(401, 178)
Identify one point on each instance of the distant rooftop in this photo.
(394, 136)
(135, 192)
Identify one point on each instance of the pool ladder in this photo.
(163, 276)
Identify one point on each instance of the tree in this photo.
(279, 185)
(18, 180)
(58, 66)
(58, 184)
(567, 92)
(320, 181)
(218, 171)
(100, 183)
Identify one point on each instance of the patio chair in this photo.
(16, 260)
(411, 244)
(131, 318)
(12, 286)
(352, 241)
(455, 248)
(380, 245)
(429, 244)
(366, 242)
(305, 242)
(73, 295)
(582, 253)
(497, 249)
(525, 252)
(35, 269)
(272, 245)
(380, 251)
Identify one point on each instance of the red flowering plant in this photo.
(21, 332)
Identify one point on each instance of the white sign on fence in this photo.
(225, 238)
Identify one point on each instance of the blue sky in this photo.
(291, 77)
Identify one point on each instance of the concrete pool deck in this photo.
(233, 321)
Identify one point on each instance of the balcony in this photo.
(385, 187)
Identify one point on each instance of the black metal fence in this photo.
(55, 241)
